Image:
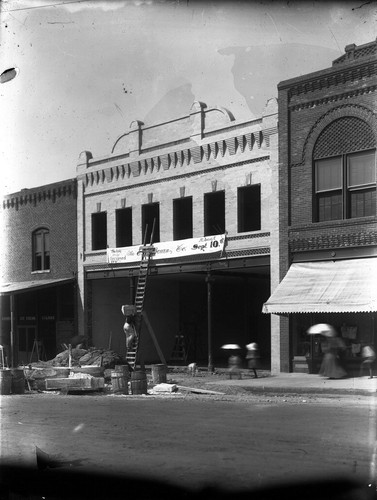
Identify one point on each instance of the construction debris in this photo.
(93, 356)
(199, 391)
(74, 383)
(165, 388)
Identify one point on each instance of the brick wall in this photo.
(52, 206)
(307, 105)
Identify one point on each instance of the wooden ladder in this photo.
(146, 251)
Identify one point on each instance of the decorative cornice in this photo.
(247, 236)
(181, 176)
(339, 77)
(335, 98)
(37, 195)
(339, 240)
(192, 155)
(250, 251)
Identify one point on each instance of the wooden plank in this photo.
(93, 383)
(152, 334)
(199, 391)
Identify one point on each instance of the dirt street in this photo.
(232, 441)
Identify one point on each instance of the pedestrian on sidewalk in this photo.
(369, 355)
(253, 357)
(331, 367)
(235, 364)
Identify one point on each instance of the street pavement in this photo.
(303, 383)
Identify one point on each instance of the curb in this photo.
(310, 390)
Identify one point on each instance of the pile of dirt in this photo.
(92, 356)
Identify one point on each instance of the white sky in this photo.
(87, 69)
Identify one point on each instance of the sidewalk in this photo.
(303, 383)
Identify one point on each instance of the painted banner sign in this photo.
(169, 249)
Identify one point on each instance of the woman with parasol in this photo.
(331, 347)
(234, 361)
(253, 357)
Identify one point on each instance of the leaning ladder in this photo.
(146, 252)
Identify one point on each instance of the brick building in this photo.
(204, 179)
(39, 264)
(328, 231)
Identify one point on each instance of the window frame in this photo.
(44, 254)
(209, 215)
(246, 223)
(181, 206)
(345, 190)
(122, 236)
(97, 243)
(149, 212)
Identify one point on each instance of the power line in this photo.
(43, 6)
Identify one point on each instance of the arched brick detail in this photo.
(352, 110)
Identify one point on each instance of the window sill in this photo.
(44, 271)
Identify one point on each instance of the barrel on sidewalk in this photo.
(159, 374)
(5, 382)
(139, 384)
(119, 379)
(18, 381)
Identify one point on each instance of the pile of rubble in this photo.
(85, 357)
(75, 363)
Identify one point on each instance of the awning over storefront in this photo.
(327, 286)
(26, 286)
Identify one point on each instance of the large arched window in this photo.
(41, 249)
(345, 171)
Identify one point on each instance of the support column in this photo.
(209, 281)
(12, 336)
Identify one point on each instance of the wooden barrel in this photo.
(5, 382)
(119, 379)
(139, 384)
(18, 381)
(159, 374)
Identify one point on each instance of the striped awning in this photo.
(326, 286)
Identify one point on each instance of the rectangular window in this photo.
(361, 170)
(99, 231)
(346, 186)
(182, 218)
(150, 222)
(214, 213)
(123, 227)
(249, 208)
(329, 206)
(328, 174)
(41, 250)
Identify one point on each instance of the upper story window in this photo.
(214, 213)
(99, 231)
(182, 218)
(123, 227)
(249, 208)
(345, 180)
(41, 250)
(150, 214)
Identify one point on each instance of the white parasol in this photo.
(252, 346)
(322, 329)
(230, 346)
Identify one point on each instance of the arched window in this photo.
(345, 171)
(41, 250)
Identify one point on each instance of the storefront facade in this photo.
(328, 232)
(208, 184)
(38, 292)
